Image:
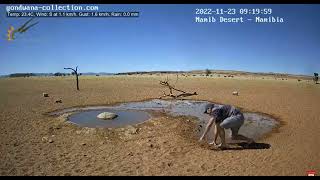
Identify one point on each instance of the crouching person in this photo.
(224, 117)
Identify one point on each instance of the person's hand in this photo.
(201, 139)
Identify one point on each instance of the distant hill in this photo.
(22, 75)
(222, 72)
(151, 72)
(100, 73)
(53, 74)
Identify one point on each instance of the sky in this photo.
(165, 37)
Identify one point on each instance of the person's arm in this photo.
(210, 123)
(216, 133)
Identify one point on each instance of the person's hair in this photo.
(208, 106)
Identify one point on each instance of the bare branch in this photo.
(71, 69)
(164, 83)
(171, 88)
(187, 94)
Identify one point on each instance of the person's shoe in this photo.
(251, 141)
(222, 146)
(213, 143)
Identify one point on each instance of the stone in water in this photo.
(107, 116)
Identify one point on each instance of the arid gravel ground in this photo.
(162, 146)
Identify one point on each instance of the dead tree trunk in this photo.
(316, 78)
(76, 73)
(171, 89)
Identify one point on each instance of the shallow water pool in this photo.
(125, 117)
(256, 125)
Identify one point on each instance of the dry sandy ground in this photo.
(164, 145)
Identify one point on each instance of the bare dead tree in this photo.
(172, 89)
(75, 71)
(316, 78)
(208, 72)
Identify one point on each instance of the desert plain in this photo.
(33, 143)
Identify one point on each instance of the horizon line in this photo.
(187, 71)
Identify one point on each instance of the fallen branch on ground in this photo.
(171, 89)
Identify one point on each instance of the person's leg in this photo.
(222, 136)
(236, 136)
(235, 129)
(216, 134)
(219, 131)
(234, 123)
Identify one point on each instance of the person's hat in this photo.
(208, 106)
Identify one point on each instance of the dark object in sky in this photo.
(23, 28)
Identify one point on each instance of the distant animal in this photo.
(235, 93)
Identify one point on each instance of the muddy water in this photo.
(255, 126)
